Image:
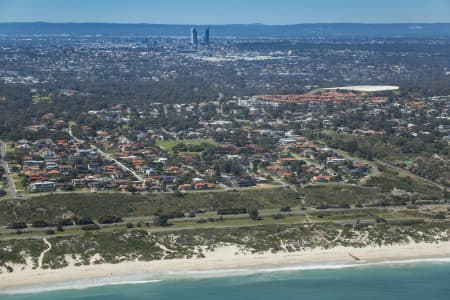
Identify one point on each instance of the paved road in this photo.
(71, 134)
(171, 134)
(281, 182)
(109, 157)
(11, 185)
(178, 229)
(206, 226)
(118, 163)
(264, 213)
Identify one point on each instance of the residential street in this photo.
(11, 186)
(109, 157)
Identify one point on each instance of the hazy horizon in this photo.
(233, 12)
(221, 24)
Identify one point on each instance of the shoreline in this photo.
(224, 261)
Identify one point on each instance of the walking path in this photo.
(41, 257)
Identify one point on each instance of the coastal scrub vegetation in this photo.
(136, 244)
(384, 190)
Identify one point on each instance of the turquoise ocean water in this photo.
(397, 282)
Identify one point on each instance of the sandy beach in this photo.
(229, 258)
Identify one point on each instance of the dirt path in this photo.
(338, 236)
(41, 257)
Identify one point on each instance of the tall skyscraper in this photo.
(206, 37)
(194, 37)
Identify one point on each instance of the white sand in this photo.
(229, 258)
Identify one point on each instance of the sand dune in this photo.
(229, 258)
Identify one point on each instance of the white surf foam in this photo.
(145, 278)
(78, 285)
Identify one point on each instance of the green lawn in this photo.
(406, 163)
(168, 145)
(37, 99)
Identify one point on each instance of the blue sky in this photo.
(225, 11)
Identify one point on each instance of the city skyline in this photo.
(202, 12)
(205, 38)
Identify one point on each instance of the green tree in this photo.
(161, 220)
(253, 214)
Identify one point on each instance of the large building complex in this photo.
(44, 186)
(194, 37)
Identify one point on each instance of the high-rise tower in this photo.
(206, 37)
(194, 37)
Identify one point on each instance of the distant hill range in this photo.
(337, 30)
